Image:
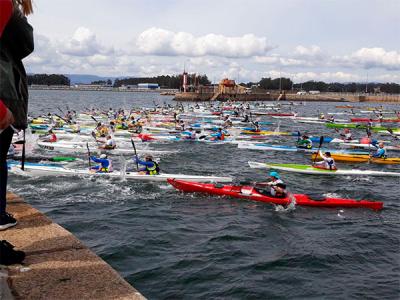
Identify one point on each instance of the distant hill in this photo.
(86, 79)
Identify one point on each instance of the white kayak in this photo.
(370, 147)
(341, 141)
(307, 169)
(267, 147)
(83, 138)
(81, 148)
(53, 170)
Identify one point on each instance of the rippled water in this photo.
(181, 246)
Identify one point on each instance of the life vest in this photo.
(109, 145)
(103, 131)
(383, 154)
(53, 138)
(106, 169)
(330, 163)
(154, 170)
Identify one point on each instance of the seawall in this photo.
(273, 96)
(57, 264)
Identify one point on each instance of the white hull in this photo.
(81, 148)
(37, 170)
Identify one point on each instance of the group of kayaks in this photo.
(159, 127)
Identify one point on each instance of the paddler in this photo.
(105, 164)
(328, 162)
(109, 144)
(219, 136)
(150, 166)
(346, 135)
(75, 127)
(227, 122)
(246, 118)
(277, 187)
(101, 130)
(256, 126)
(50, 137)
(304, 142)
(380, 152)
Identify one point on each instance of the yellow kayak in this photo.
(263, 132)
(358, 158)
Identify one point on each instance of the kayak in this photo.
(307, 169)
(358, 126)
(366, 120)
(370, 147)
(262, 146)
(251, 193)
(61, 147)
(37, 169)
(37, 159)
(316, 139)
(341, 141)
(354, 158)
(268, 132)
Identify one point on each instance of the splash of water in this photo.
(278, 127)
(123, 168)
(288, 208)
(30, 141)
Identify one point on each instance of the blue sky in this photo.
(246, 40)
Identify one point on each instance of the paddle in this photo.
(87, 146)
(94, 136)
(392, 134)
(321, 140)
(69, 122)
(94, 119)
(134, 148)
(23, 154)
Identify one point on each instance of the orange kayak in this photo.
(359, 158)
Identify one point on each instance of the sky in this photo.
(341, 40)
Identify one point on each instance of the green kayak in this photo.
(307, 169)
(62, 158)
(359, 126)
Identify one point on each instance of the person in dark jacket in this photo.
(16, 43)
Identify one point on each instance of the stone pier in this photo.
(57, 264)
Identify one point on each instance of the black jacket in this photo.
(16, 43)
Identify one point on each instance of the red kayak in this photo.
(365, 120)
(251, 193)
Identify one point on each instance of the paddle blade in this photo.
(321, 140)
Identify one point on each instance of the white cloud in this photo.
(372, 58)
(302, 51)
(83, 43)
(85, 54)
(325, 76)
(201, 62)
(157, 41)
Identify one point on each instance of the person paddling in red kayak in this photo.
(50, 137)
(277, 187)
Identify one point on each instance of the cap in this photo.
(274, 174)
(103, 155)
